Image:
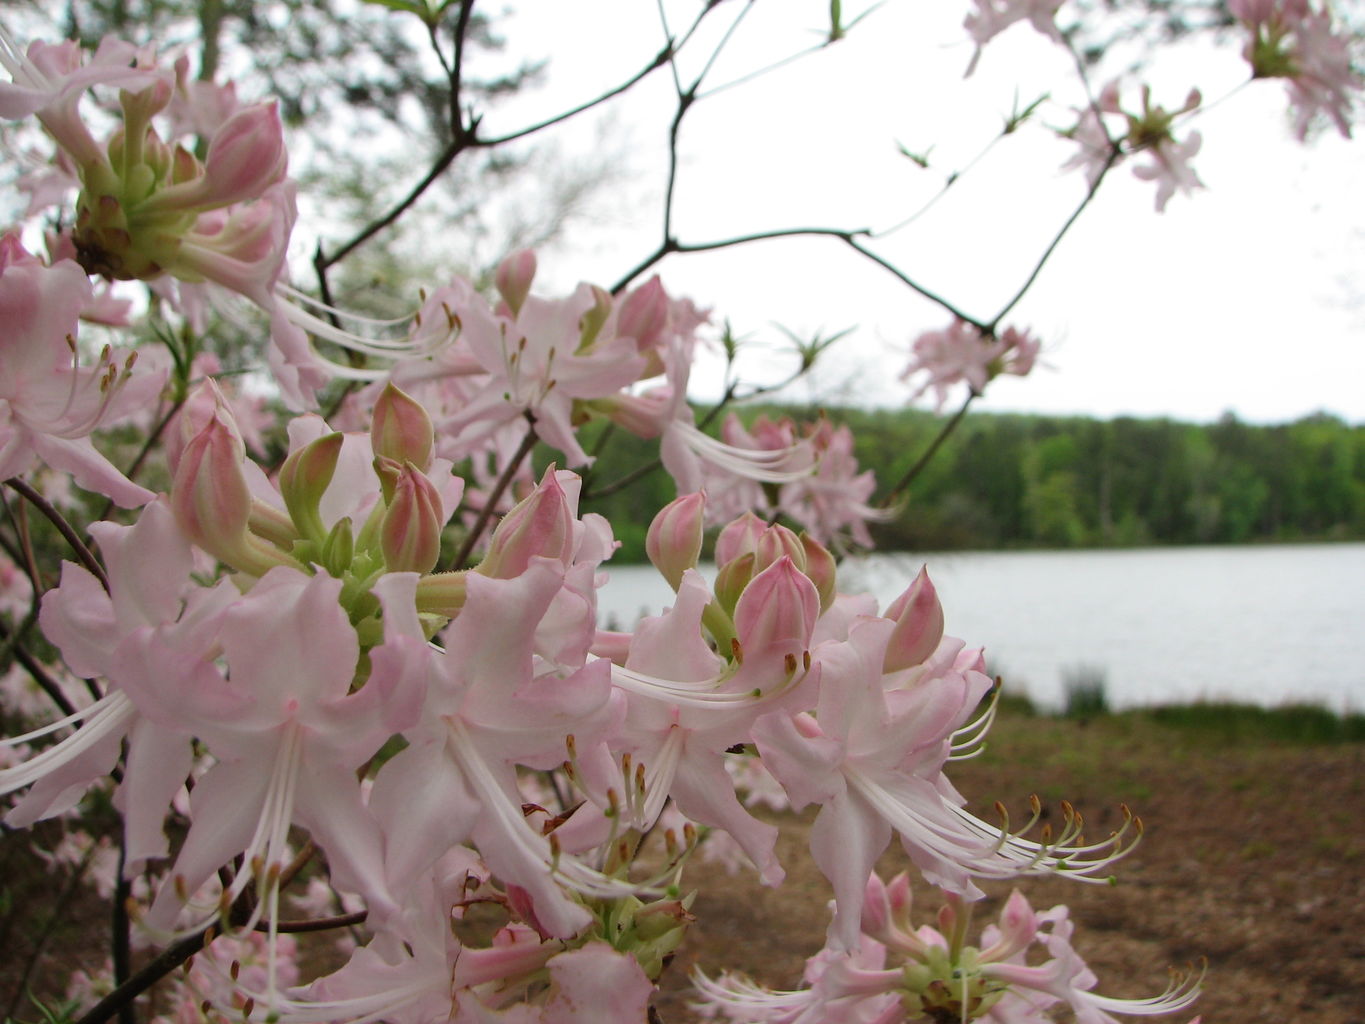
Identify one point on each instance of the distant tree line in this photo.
(1003, 481)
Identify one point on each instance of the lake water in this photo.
(1264, 625)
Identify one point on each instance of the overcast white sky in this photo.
(1247, 296)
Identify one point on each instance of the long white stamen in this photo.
(763, 465)
(71, 719)
(986, 851)
(512, 822)
(970, 740)
(110, 715)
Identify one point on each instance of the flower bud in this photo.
(674, 539)
(200, 405)
(643, 315)
(212, 502)
(513, 279)
(739, 537)
(401, 429)
(539, 525)
(410, 535)
(778, 542)
(303, 480)
(777, 610)
(886, 907)
(246, 156)
(919, 625)
(821, 568)
(338, 550)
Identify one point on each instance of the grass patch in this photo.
(1084, 686)
(1291, 723)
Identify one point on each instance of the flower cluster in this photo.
(385, 638)
(935, 975)
(1293, 41)
(963, 354)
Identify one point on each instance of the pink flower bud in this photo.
(778, 542)
(1017, 930)
(540, 525)
(401, 429)
(821, 568)
(410, 535)
(919, 625)
(644, 314)
(304, 478)
(212, 502)
(739, 537)
(200, 406)
(513, 279)
(674, 539)
(777, 611)
(886, 908)
(246, 155)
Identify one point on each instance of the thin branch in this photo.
(912, 285)
(10, 644)
(621, 483)
(660, 59)
(461, 35)
(952, 180)
(760, 72)
(24, 555)
(670, 246)
(467, 138)
(321, 263)
(719, 47)
(121, 938)
(44, 506)
(166, 961)
(491, 503)
(928, 454)
(1052, 246)
(318, 924)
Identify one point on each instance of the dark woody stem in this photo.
(490, 505)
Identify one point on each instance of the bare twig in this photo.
(166, 961)
(928, 454)
(490, 505)
(46, 507)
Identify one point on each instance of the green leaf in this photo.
(922, 159)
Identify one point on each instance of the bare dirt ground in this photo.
(1254, 858)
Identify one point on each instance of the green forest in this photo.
(1017, 481)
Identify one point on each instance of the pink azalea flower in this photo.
(832, 502)
(1170, 168)
(992, 17)
(49, 404)
(873, 756)
(1291, 41)
(287, 733)
(511, 681)
(897, 973)
(149, 567)
(962, 354)
(49, 80)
